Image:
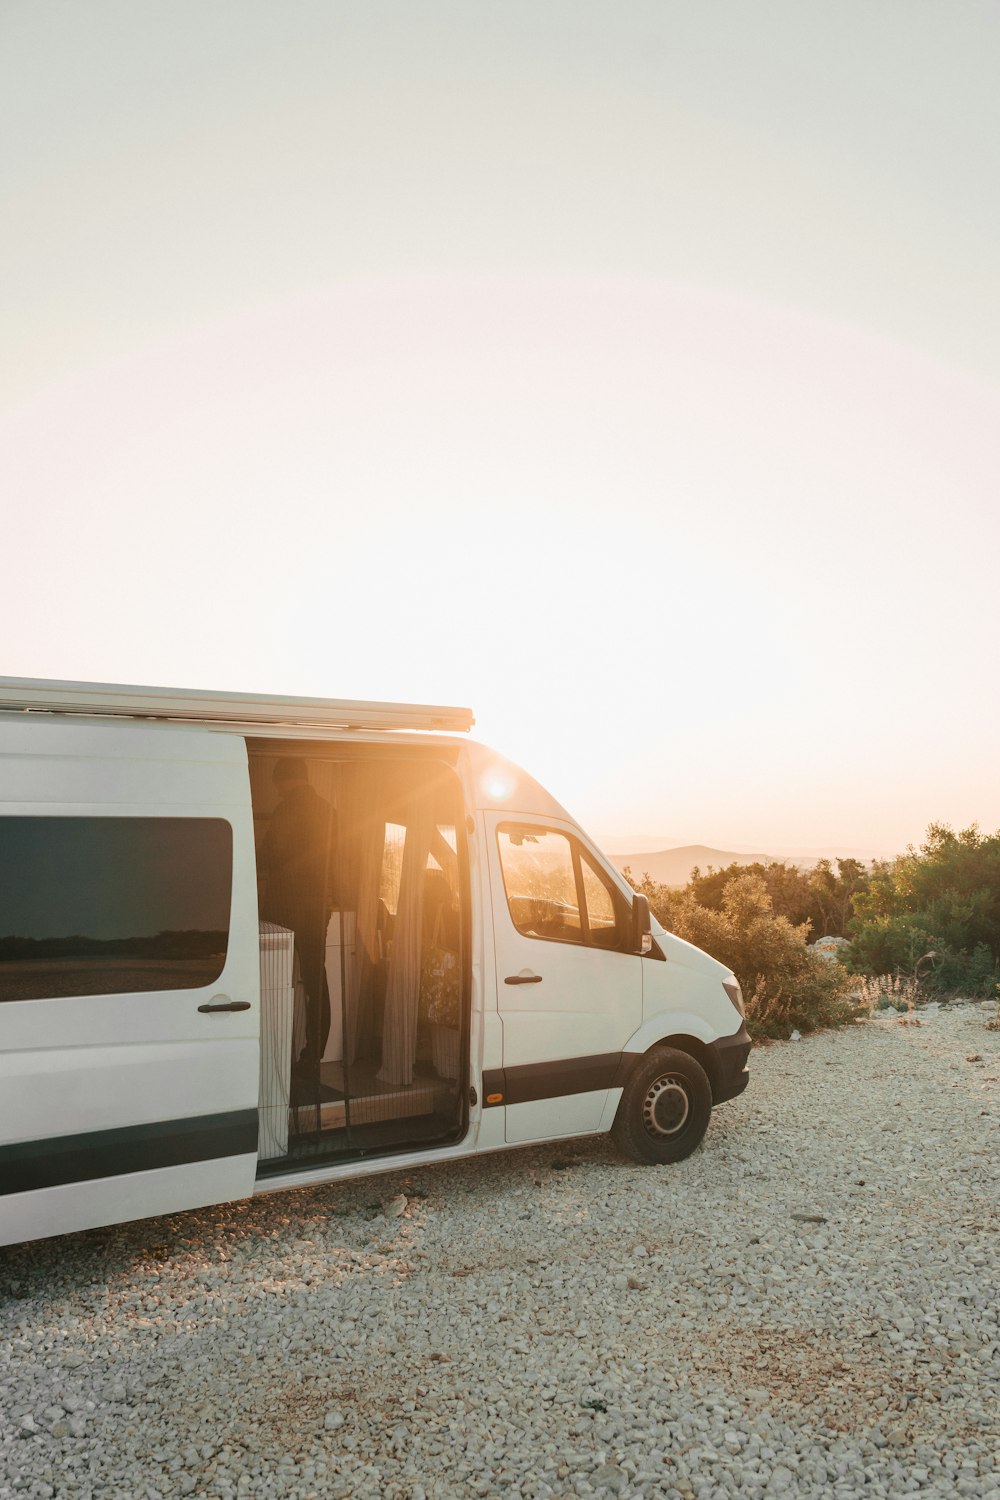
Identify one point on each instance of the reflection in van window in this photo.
(103, 906)
(538, 875)
(554, 890)
(602, 919)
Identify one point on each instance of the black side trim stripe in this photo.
(494, 1088)
(552, 1080)
(29, 1165)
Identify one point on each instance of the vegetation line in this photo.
(924, 925)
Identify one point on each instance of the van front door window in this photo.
(554, 891)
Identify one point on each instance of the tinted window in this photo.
(99, 906)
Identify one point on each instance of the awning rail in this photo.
(118, 700)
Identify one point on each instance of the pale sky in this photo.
(630, 373)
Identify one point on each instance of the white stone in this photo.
(278, 1354)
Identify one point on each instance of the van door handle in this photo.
(225, 1005)
(523, 979)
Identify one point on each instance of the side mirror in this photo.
(642, 935)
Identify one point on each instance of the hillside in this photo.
(673, 866)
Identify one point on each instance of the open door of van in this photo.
(129, 978)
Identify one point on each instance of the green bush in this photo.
(821, 896)
(974, 973)
(942, 904)
(785, 986)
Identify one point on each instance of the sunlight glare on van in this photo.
(498, 784)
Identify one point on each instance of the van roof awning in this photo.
(22, 694)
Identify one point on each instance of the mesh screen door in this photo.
(362, 886)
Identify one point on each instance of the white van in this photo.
(250, 943)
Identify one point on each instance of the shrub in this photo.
(974, 973)
(886, 991)
(821, 896)
(785, 986)
(943, 900)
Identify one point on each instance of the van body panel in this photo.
(117, 1069)
(551, 1119)
(684, 993)
(89, 1086)
(666, 1023)
(570, 1016)
(694, 960)
(378, 1165)
(115, 1200)
(70, 762)
(498, 785)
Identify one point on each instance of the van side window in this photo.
(602, 919)
(111, 906)
(554, 891)
(540, 881)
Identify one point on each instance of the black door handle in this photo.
(226, 1005)
(523, 979)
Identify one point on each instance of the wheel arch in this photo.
(682, 1041)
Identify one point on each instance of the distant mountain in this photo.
(611, 843)
(674, 866)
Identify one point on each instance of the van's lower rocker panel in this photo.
(87, 1205)
(29, 1166)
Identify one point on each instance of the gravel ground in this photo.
(808, 1306)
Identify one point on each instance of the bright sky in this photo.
(629, 373)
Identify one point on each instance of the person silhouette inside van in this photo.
(297, 862)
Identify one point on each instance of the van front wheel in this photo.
(665, 1108)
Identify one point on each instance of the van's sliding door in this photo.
(129, 980)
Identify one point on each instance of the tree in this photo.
(784, 984)
(822, 897)
(943, 899)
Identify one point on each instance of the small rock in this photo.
(27, 1426)
(333, 1420)
(610, 1476)
(396, 1206)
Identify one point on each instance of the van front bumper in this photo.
(729, 1075)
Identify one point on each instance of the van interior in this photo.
(362, 879)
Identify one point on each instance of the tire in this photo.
(665, 1108)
